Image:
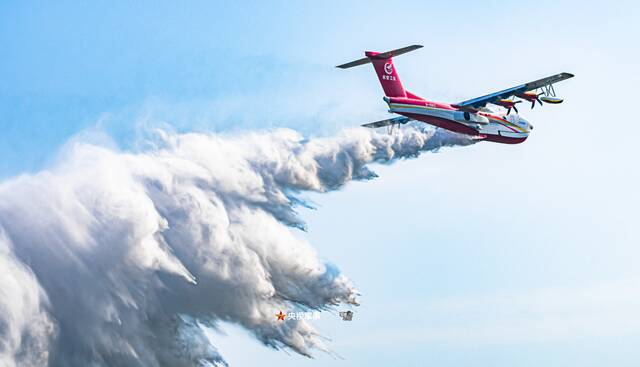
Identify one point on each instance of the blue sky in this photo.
(485, 255)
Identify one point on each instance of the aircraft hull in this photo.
(504, 139)
(491, 128)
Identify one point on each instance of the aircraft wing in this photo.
(493, 97)
(387, 122)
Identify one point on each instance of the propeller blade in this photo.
(509, 111)
(533, 104)
(515, 108)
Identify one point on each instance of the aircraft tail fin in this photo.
(383, 65)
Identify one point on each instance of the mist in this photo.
(118, 258)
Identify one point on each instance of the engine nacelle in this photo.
(506, 103)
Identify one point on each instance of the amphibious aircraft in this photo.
(471, 117)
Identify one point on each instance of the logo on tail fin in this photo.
(388, 68)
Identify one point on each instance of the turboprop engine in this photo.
(508, 104)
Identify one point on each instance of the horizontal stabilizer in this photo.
(387, 122)
(381, 56)
(362, 61)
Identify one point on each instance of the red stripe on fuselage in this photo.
(505, 125)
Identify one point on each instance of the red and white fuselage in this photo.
(486, 125)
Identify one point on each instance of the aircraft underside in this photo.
(499, 137)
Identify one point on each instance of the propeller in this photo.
(533, 101)
(513, 105)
